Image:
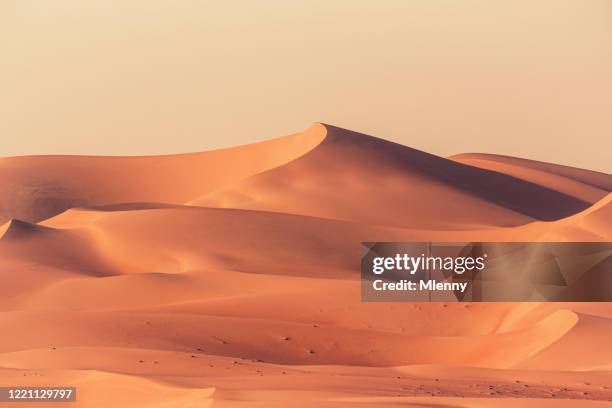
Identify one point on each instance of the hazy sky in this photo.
(527, 78)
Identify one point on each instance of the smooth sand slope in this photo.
(231, 278)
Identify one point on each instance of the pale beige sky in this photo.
(530, 78)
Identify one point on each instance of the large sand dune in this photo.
(231, 278)
(360, 178)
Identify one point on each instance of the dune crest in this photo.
(360, 178)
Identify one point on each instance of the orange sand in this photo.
(231, 278)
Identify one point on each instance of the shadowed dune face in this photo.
(589, 186)
(232, 277)
(595, 179)
(593, 224)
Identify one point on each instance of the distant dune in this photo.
(230, 278)
(586, 185)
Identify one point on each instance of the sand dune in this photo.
(231, 278)
(38, 187)
(356, 177)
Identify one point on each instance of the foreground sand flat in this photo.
(231, 278)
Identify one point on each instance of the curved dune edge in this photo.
(592, 224)
(34, 188)
(579, 336)
(583, 347)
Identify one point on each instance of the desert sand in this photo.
(230, 278)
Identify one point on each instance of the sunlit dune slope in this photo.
(33, 188)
